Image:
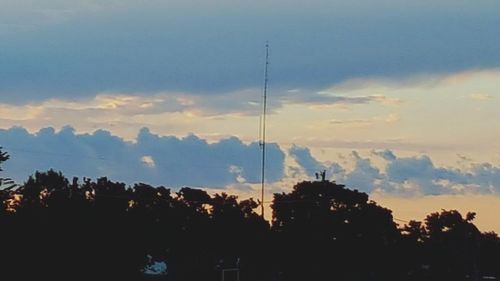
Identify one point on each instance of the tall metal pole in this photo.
(263, 132)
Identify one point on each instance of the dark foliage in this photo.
(5, 183)
(324, 229)
(54, 229)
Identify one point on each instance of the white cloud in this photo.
(148, 161)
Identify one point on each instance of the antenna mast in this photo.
(263, 132)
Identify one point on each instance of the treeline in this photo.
(53, 228)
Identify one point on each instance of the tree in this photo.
(239, 235)
(489, 253)
(320, 230)
(411, 246)
(326, 229)
(5, 183)
(452, 245)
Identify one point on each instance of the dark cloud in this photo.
(165, 160)
(321, 98)
(178, 46)
(249, 102)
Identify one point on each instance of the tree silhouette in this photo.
(5, 183)
(104, 230)
(239, 235)
(489, 253)
(454, 242)
(327, 230)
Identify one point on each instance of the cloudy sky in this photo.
(396, 98)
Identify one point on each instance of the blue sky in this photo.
(398, 98)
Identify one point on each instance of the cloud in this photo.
(148, 161)
(56, 49)
(327, 97)
(481, 97)
(362, 177)
(160, 160)
(302, 155)
(230, 163)
(404, 175)
(386, 154)
(140, 108)
(356, 123)
(351, 122)
(32, 15)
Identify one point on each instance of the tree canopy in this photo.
(99, 229)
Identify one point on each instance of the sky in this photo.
(395, 98)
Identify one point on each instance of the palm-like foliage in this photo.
(5, 183)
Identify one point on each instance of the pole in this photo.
(263, 132)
